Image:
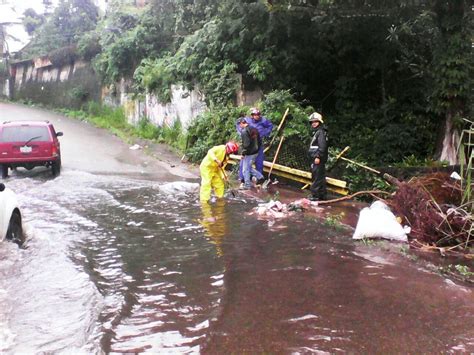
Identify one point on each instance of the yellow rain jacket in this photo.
(212, 176)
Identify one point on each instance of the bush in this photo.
(79, 93)
(63, 56)
(89, 46)
(213, 127)
(147, 130)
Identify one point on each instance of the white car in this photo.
(11, 226)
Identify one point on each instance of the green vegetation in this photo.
(389, 77)
(406, 253)
(467, 167)
(460, 271)
(334, 221)
(70, 20)
(3, 69)
(369, 242)
(115, 121)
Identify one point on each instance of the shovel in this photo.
(268, 181)
(226, 181)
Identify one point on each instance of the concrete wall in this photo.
(184, 106)
(74, 85)
(68, 86)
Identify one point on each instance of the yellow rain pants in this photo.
(212, 177)
(214, 221)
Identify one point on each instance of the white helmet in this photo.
(315, 116)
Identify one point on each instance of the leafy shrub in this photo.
(156, 76)
(147, 130)
(79, 93)
(213, 127)
(89, 46)
(63, 56)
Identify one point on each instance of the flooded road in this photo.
(127, 263)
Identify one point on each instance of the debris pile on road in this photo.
(276, 209)
(431, 205)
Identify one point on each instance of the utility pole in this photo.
(4, 57)
(2, 40)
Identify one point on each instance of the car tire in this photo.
(4, 171)
(56, 167)
(15, 229)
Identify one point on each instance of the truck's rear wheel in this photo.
(4, 171)
(56, 167)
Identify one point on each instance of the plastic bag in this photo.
(377, 221)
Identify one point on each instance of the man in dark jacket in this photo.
(318, 152)
(264, 127)
(250, 148)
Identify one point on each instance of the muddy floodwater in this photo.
(121, 264)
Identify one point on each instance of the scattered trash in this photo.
(300, 205)
(135, 147)
(377, 221)
(276, 209)
(455, 176)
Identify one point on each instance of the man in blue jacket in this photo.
(264, 128)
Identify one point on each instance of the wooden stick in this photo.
(337, 158)
(389, 178)
(267, 182)
(276, 156)
(370, 192)
(278, 130)
(362, 166)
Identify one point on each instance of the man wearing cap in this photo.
(318, 153)
(250, 148)
(264, 128)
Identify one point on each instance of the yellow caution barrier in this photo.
(334, 185)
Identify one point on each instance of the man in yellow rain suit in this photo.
(212, 170)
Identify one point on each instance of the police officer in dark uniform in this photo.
(318, 153)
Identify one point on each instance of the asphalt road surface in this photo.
(95, 150)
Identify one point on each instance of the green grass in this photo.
(115, 120)
(460, 271)
(334, 221)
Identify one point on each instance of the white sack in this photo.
(377, 221)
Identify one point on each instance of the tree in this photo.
(453, 64)
(32, 20)
(67, 24)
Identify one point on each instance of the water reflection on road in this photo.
(118, 264)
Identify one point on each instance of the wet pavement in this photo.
(131, 262)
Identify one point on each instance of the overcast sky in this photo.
(11, 12)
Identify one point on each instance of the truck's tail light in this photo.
(54, 151)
